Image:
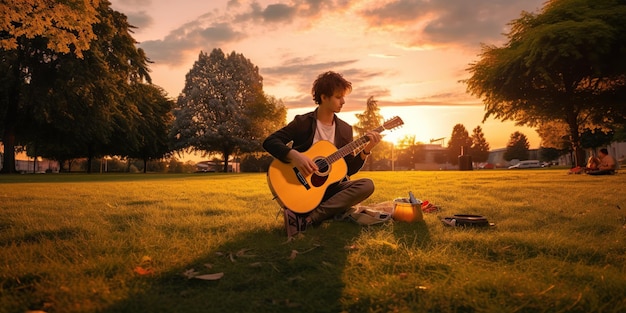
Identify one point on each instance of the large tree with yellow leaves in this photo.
(66, 67)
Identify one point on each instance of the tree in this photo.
(70, 106)
(33, 32)
(256, 162)
(595, 138)
(620, 133)
(222, 108)
(368, 120)
(555, 134)
(459, 143)
(549, 154)
(517, 148)
(148, 136)
(563, 64)
(410, 152)
(480, 146)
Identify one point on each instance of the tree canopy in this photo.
(146, 136)
(75, 97)
(64, 26)
(565, 63)
(480, 147)
(410, 151)
(368, 120)
(222, 108)
(517, 148)
(459, 143)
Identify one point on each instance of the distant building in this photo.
(211, 166)
(496, 157)
(434, 159)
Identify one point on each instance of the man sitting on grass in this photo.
(607, 164)
(329, 90)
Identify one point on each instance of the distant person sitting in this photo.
(607, 164)
(593, 164)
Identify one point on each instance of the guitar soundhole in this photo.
(322, 166)
(319, 178)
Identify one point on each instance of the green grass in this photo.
(72, 243)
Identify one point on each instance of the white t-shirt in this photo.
(324, 132)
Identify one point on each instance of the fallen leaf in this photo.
(190, 273)
(143, 271)
(242, 253)
(208, 265)
(293, 255)
(215, 276)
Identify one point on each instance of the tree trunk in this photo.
(226, 155)
(89, 158)
(8, 163)
(579, 153)
(8, 138)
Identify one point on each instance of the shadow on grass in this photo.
(262, 273)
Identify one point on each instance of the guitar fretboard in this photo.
(347, 149)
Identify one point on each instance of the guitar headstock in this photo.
(392, 123)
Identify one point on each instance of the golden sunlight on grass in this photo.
(214, 243)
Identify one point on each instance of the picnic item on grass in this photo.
(400, 209)
(370, 214)
(466, 220)
(428, 207)
(407, 211)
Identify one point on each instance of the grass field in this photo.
(130, 242)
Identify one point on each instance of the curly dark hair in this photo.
(327, 83)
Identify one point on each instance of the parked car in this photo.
(526, 164)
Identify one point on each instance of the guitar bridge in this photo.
(301, 179)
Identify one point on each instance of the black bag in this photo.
(466, 220)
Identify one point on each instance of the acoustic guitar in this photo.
(302, 194)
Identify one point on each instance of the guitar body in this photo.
(302, 194)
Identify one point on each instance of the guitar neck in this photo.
(347, 149)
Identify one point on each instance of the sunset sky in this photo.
(409, 54)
